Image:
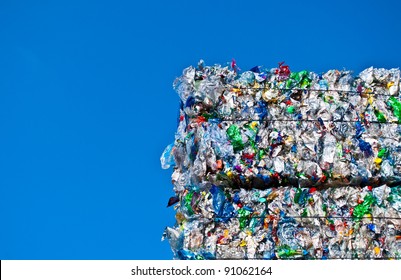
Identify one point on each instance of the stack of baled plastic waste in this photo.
(274, 164)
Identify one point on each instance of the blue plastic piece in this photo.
(359, 129)
(221, 206)
(190, 102)
(365, 147)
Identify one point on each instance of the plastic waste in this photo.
(295, 223)
(275, 164)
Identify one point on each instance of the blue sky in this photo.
(87, 105)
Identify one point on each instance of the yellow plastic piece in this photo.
(378, 161)
(243, 243)
(254, 124)
(369, 216)
(377, 250)
(390, 84)
(368, 90)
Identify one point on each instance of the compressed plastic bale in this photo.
(289, 165)
(298, 223)
(291, 126)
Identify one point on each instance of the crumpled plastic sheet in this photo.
(288, 223)
(284, 132)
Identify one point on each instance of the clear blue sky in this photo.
(87, 106)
